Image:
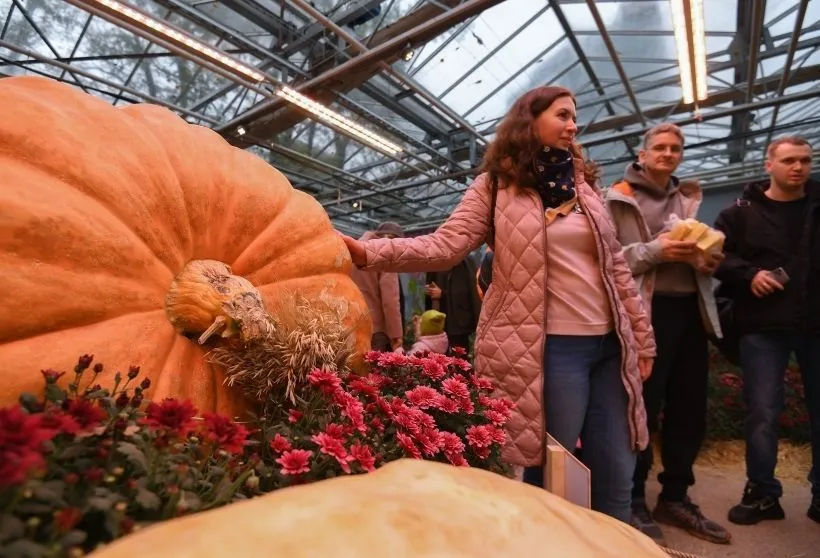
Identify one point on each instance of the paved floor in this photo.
(718, 489)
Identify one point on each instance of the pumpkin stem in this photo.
(218, 325)
(273, 347)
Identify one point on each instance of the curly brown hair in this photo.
(510, 155)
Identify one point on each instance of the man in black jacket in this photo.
(772, 272)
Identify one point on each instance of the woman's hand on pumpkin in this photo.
(645, 367)
(356, 248)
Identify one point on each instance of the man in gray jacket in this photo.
(675, 282)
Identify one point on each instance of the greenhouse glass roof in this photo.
(434, 77)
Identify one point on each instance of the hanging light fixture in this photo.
(186, 45)
(690, 43)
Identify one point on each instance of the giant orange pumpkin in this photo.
(406, 509)
(101, 209)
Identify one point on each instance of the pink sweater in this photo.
(577, 303)
(433, 343)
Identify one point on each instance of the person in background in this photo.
(563, 331)
(454, 293)
(772, 270)
(484, 276)
(381, 291)
(430, 333)
(677, 286)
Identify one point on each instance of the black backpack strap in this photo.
(493, 198)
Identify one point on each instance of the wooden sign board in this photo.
(566, 476)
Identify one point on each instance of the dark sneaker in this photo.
(643, 522)
(687, 516)
(756, 507)
(814, 509)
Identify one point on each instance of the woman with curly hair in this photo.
(562, 331)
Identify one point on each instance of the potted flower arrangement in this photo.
(82, 467)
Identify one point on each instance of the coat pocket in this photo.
(492, 304)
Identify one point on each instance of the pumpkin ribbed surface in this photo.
(101, 207)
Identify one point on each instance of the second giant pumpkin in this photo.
(101, 207)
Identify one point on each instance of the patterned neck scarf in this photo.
(555, 173)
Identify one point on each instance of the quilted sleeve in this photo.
(632, 300)
(464, 231)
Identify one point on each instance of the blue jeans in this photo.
(764, 358)
(584, 396)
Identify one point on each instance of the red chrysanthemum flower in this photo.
(172, 415)
(384, 406)
(423, 397)
(430, 442)
(364, 455)
(352, 408)
(23, 432)
(433, 370)
(447, 405)
(295, 462)
(479, 436)
(294, 416)
(325, 380)
(466, 404)
(409, 446)
(498, 419)
(377, 424)
(87, 414)
(279, 444)
(455, 387)
(66, 519)
(333, 447)
(364, 387)
(60, 422)
(225, 433)
(497, 434)
(482, 453)
(16, 465)
(483, 384)
(335, 430)
(453, 448)
(392, 359)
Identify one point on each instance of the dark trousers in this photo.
(678, 387)
(764, 358)
(459, 340)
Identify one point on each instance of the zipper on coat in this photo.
(617, 319)
(543, 424)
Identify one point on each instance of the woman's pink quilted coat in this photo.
(510, 334)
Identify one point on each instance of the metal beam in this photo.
(804, 75)
(749, 24)
(263, 18)
(412, 84)
(350, 74)
(615, 59)
(674, 80)
(784, 76)
(109, 83)
(400, 187)
(760, 104)
(33, 24)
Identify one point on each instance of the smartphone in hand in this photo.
(780, 275)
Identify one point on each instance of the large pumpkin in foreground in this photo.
(406, 509)
(101, 209)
